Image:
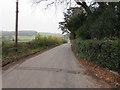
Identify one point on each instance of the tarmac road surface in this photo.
(55, 68)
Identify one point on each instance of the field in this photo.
(26, 38)
(20, 38)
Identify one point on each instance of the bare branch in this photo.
(68, 4)
(55, 2)
(39, 1)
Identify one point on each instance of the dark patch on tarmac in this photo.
(49, 69)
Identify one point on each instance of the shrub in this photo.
(46, 41)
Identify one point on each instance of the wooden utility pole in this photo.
(16, 26)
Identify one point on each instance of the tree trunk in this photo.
(84, 5)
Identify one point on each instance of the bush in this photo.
(46, 41)
(105, 53)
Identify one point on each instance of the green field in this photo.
(20, 38)
(25, 38)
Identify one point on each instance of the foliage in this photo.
(103, 21)
(105, 53)
(46, 41)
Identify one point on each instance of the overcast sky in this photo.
(31, 17)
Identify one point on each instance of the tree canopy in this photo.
(101, 21)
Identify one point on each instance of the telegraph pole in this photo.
(16, 26)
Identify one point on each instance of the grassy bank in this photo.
(25, 48)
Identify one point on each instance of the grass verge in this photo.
(21, 58)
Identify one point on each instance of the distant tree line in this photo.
(21, 33)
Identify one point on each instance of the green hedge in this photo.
(105, 53)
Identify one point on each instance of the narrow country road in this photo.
(55, 68)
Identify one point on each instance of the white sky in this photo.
(30, 17)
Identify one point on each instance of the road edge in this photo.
(24, 58)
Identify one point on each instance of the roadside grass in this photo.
(22, 51)
(26, 48)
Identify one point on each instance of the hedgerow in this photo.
(105, 53)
